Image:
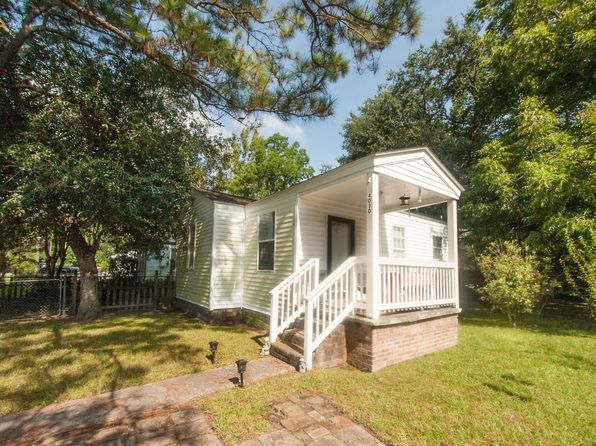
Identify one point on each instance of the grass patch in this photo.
(534, 385)
(52, 361)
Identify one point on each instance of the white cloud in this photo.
(267, 125)
(271, 124)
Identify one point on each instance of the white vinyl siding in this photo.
(417, 171)
(314, 212)
(418, 234)
(257, 284)
(194, 284)
(228, 256)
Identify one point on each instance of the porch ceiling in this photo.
(353, 191)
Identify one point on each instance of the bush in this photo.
(513, 282)
(579, 265)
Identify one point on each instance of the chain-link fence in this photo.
(32, 298)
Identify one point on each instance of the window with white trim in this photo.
(398, 245)
(437, 247)
(191, 244)
(266, 255)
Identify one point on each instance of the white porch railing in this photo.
(287, 298)
(328, 305)
(404, 284)
(407, 284)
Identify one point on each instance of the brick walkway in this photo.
(148, 414)
(163, 414)
(311, 420)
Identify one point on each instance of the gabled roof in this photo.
(379, 161)
(223, 197)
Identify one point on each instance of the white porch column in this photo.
(452, 245)
(372, 246)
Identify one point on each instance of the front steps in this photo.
(290, 347)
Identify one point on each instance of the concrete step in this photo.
(286, 353)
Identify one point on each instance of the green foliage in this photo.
(112, 148)
(235, 57)
(431, 101)
(20, 262)
(263, 166)
(251, 165)
(541, 48)
(512, 281)
(507, 100)
(580, 265)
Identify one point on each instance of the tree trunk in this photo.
(89, 306)
(55, 249)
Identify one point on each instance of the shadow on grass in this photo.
(48, 359)
(503, 389)
(545, 324)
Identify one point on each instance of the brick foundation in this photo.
(374, 344)
(332, 351)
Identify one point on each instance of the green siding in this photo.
(257, 284)
(194, 285)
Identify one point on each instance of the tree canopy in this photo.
(507, 100)
(432, 101)
(234, 57)
(107, 155)
(254, 166)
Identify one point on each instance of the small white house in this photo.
(342, 246)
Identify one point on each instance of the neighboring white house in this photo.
(315, 242)
(163, 262)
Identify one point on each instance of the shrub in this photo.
(513, 282)
(579, 265)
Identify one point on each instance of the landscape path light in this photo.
(213, 349)
(241, 364)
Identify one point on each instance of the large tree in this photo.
(265, 165)
(431, 100)
(535, 182)
(507, 101)
(251, 165)
(234, 56)
(107, 154)
(97, 138)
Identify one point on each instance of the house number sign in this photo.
(369, 203)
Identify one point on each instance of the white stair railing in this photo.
(328, 305)
(287, 298)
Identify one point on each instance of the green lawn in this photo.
(534, 385)
(47, 362)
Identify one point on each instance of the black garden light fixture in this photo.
(213, 349)
(241, 364)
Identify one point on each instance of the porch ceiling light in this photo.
(405, 199)
(241, 364)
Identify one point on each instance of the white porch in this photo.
(365, 277)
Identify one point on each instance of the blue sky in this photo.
(322, 138)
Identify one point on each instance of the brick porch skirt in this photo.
(374, 344)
